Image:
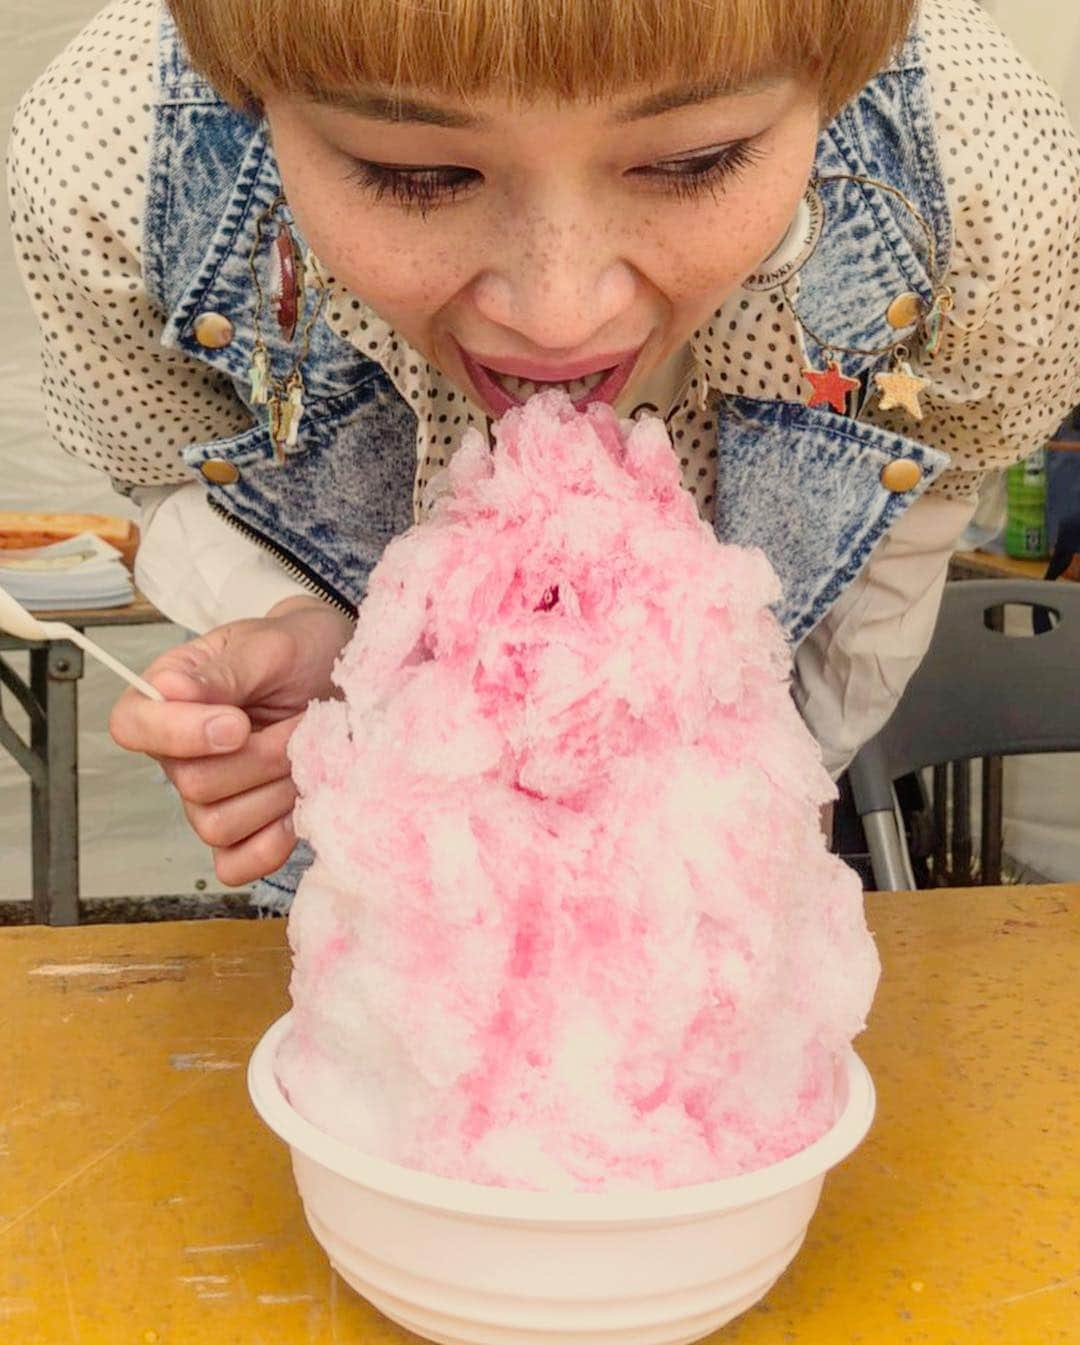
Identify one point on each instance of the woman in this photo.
(282, 256)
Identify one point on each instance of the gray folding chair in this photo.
(980, 692)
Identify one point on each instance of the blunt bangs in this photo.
(531, 49)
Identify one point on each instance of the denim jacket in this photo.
(802, 483)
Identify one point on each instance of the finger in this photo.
(257, 856)
(176, 728)
(262, 760)
(233, 820)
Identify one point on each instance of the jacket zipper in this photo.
(296, 568)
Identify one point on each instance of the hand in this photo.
(233, 698)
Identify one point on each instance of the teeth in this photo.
(521, 389)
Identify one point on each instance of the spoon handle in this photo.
(96, 651)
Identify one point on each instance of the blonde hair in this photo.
(567, 49)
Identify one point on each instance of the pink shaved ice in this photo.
(572, 922)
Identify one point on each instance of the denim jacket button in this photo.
(901, 475)
(904, 310)
(213, 331)
(223, 473)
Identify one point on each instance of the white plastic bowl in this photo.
(465, 1264)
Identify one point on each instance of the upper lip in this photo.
(553, 373)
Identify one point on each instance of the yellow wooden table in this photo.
(143, 1203)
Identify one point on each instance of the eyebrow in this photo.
(391, 108)
(687, 95)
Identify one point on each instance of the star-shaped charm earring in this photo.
(901, 387)
(830, 386)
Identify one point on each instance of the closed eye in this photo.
(691, 174)
(422, 187)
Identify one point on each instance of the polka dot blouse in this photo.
(1006, 371)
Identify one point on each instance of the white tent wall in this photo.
(134, 837)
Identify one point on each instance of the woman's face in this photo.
(546, 242)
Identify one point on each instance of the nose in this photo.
(558, 283)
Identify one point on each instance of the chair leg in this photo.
(941, 826)
(910, 884)
(992, 790)
(962, 874)
(888, 854)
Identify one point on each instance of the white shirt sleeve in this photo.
(224, 576)
(852, 668)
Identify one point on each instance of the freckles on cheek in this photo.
(691, 254)
(698, 272)
(723, 248)
(380, 270)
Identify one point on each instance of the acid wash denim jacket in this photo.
(802, 483)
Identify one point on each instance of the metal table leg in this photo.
(49, 698)
(55, 670)
(49, 755)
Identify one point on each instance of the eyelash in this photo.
(422, 188)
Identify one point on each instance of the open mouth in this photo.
(521, 389)
(500, 392)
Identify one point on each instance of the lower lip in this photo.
(499, 400)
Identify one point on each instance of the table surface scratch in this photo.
(142, 1201)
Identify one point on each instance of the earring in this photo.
(795, 248)
(292, 275)
(900, 386)
(288, 411)
(831, 386)
(259, 373)
(286, 279)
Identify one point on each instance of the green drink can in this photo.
(1025, 516)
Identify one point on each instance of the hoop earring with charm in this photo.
(292, 276)
(900, 386)
(796, 247)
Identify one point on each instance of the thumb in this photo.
(200, 670)
(242, 663)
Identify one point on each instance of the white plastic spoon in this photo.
(17, 621)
